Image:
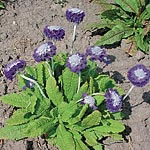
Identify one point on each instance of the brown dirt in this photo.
(21, 26)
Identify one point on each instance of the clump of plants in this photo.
(126, 19)
(63, 97)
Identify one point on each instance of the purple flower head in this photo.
(139, 75)
(113, 100)
(11, 68)
(97, 53)
(75, 15)
(87, 99)
(76, 62)
(28, 84)
(54, 32)
(45, 52)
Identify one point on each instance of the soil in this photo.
(21, 31)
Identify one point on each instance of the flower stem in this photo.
(128, 92)
(73, 36)
(49, 69)
(52, 62)
(94, 94)
(79, 80)
(33, 81)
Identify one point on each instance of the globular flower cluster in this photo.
(139, 75)
(11, 68)
(76, 62)
(54, 32)
(113, 100)
(97, 53)
(87, 99)
(75, 15)
(45, 52)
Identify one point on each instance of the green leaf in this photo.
(2, 5)
(80, 145)
(129, 5)
(53, 91)
(112, 126)
(102, 24)
(42, 105)
(139, 37)
(105, 82)
(39, 72)
(76, 134)
(67, 110)
(93, 119)
(13, 132)
(91, 138)
(83, 89)
(39, 126)
(120, 90)
(118, 115)
(31, 71)
(64, 139)
(18, 100)
(99, 99)
(70, 83)
(19, 117)
(98, 147)
(31, 106)
(117, 137)
(112, 36)
(79, 116)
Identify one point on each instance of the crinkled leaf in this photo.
(83, 89)
(18, 100)
(67, 110)
(144, 46)
(53, 91)
(13, 132)
(105, 82)
(39, 72)
(99, 99)
(76, 134)
(19, 117)
(118, 115)
(70, 83)
(112, 36)
(98, 147)
(129, 5)
(31, 106)
(113, 126)
(120, 90)
(91, 138)
(93, 119)
(31, 71)
(39, 126)
(79, 116)
(42, 105)
(80, 145)
(64, 139)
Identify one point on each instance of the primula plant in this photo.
(64, 98)
(126, 19)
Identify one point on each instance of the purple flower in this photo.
(139, 75)
(76, 62)
(28, 84)
(113, 100)
(97, 53)
(75, 15)
(44, 52)
(87, 99)
(54, 32)
(11, 68)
